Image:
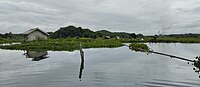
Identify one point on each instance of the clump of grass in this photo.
(139, 47)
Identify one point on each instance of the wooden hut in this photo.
(35, 34)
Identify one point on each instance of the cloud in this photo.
(140, 16)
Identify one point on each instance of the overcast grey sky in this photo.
(139, 16)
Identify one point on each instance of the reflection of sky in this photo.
(103, 67)
(184, 50)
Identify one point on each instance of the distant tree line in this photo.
(183, 35)
(76, 32)
(10, 35)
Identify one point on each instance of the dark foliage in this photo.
(72, 31)
(12, 36)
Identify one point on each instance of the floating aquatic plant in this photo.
(197, 65)
(139, 47)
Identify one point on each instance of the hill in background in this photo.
(72, 31)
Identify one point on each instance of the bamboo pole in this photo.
(164, 54)
(172, 56)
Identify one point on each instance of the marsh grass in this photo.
(64, 44)
(162, 40)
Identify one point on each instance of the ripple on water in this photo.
(171, 83)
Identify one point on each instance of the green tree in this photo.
(133, 35)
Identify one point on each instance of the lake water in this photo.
(103, 67)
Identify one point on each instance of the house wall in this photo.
(36, 35)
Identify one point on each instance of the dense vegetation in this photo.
(72, 31)
(3, 40)
(123, 37)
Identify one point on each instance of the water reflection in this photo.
(36, 55)
(102, 66)
(195, 63)
(40, 55)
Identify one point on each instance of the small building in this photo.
(35, 34)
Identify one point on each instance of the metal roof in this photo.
(34, 29)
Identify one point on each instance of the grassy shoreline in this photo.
(176, 40)
(70, 44)
(162, 40)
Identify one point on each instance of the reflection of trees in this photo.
(36, 55)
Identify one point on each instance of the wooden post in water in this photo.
(82, 62)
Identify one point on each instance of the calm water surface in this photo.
(103, 67)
